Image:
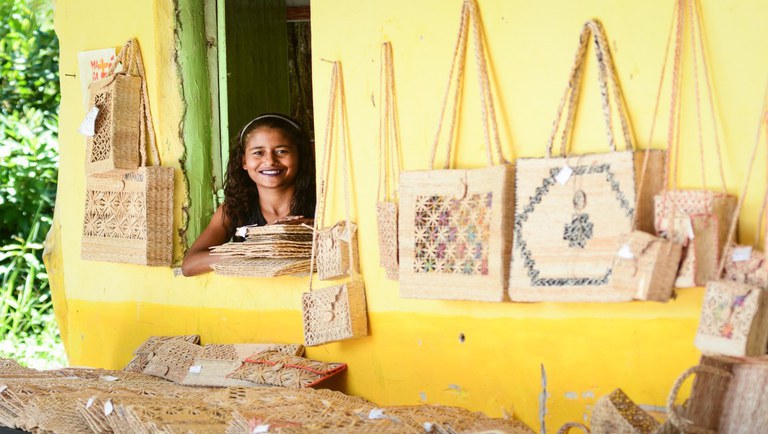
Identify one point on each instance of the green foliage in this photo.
(29, 102)
(29, 57)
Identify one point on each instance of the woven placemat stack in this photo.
(268, 251)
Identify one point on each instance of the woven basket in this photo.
(734, 320)
(334, 313)
(617, 414)
(130, 219)
(647, 267)
(753, 271)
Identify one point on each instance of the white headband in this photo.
(245, 128)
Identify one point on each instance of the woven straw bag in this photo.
(336, 245)
(617, 414)
(646, 266)
(455, 225)
(120, 97)
(389, 168)
(129, 214)
(338, 312)
(734, 317)
(697, 218)
(572, 210)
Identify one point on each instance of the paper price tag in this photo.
(564, 175)
(108, 407)
(2, 388)
(427, 426)
(241, 231)
(689, 227)
(376, 413)
(741, 253)
(258, 429)
(88, 127)
(625, 252)
(195, 369)
(109, 378)
(90, 402)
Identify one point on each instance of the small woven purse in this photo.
(389, 168)
(337, 312)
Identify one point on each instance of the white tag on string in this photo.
(108, 408)
(109, 378)
(625, 252)
(376, 413)
(427, 426)
(2, 388)
(689, 226)
(564, 175)
(195, 369)
(242, 231)
(741, 253)
(90, 402)
(259, 429)
(88, 127)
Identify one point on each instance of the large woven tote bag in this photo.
(571, 211)
(701, 216)
(114, 147)
(337, 312)
(389, 168)
(734, 316)
(455, 224)
(129, 216)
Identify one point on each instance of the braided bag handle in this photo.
(678, 420)
(607, 80)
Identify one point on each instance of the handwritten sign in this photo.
(94, 65)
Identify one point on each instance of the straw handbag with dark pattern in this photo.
(338, 312)
(129, 214)
(455, 225)
(114, 147)
(572, 210)
(389, 168)
(617, 414)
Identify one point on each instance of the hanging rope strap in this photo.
(389, 140)
(750, 166)
(592, 30)
(469, 14)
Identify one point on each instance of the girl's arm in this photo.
(198, 259)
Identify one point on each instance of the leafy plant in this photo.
(29, 102)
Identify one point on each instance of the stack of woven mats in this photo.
(95, 400)
(268, 251)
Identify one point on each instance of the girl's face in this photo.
(271, 160)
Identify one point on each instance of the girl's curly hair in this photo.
(241, 197)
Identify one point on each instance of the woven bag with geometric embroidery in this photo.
(338, 312)
(129, 214)
(455, 225)
(571, 210)
(389, 168)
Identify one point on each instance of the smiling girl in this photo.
(270, 176)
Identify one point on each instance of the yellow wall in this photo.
(413, 353)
